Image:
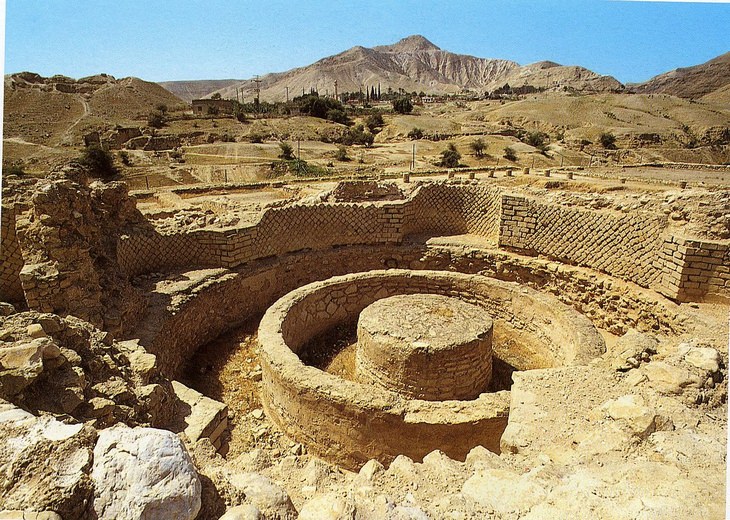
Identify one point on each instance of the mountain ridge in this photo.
(690, 82)
(412, 64)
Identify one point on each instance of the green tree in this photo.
(450, 157)
(358, 135)
(99, 162)
(538, 140)
(156, 119)
(375, 122)
(341, 154)
(415, 134)
(287, 152)
(608, 140)
(217, 95)
(477, 146)
(337, 115)
(403, 105)
(510, 154)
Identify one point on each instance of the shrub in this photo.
(510, 154)
(14, 168)
(375, 122)
(99, 162)
(287, 152)
(608, 140)
(341, 154)
(358, 135)
(450, 157)
(477, 146)
(124, 157)
(228, 138)
(255, 138)
(415, 134)
(156, 119)
(161, 108)
(537, 139)
(337, 115)
(403, 105)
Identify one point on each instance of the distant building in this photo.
(213, 107)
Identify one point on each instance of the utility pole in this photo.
(258, 94)
(413, 157)
(287, 94)
(337, 98)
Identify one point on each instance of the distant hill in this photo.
(413, 64)
(691, 82)
(197, 89)
(59, 110)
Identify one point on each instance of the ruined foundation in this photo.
(425, 346)
(351, 422)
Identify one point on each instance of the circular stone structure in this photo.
(350, 422)
(425, 346)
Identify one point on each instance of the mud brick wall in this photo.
(692, 269)
(623, 246)
(146, 253)
(453, 210)
(11, 259)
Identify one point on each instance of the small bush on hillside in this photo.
(450, 157)
(341, 154)
(375, 123)
(538, 140)
(255, 138)
(287, 152)
(608, 140)
(358, 135)
(156, 119)
(415, 134)
(510, 154)
(14, 168)
(477, 146)
(125, 158)
(338, 116)
(99, 162)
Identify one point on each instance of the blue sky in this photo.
(161, 40)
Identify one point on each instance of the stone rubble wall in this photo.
(11, 259)
(623, 246)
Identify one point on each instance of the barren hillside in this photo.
(59, 110)
(691, 82)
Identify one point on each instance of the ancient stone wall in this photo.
(298, 397)
(438, 209)
(11, 259)
(443, 209)
(624, 246)
(692, 269)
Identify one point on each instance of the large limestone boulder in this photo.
(143, 473)
(44, 464)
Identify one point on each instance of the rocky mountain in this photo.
(415, 64)
(691, 82)
(197, 89)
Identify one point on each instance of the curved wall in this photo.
(350, 423)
